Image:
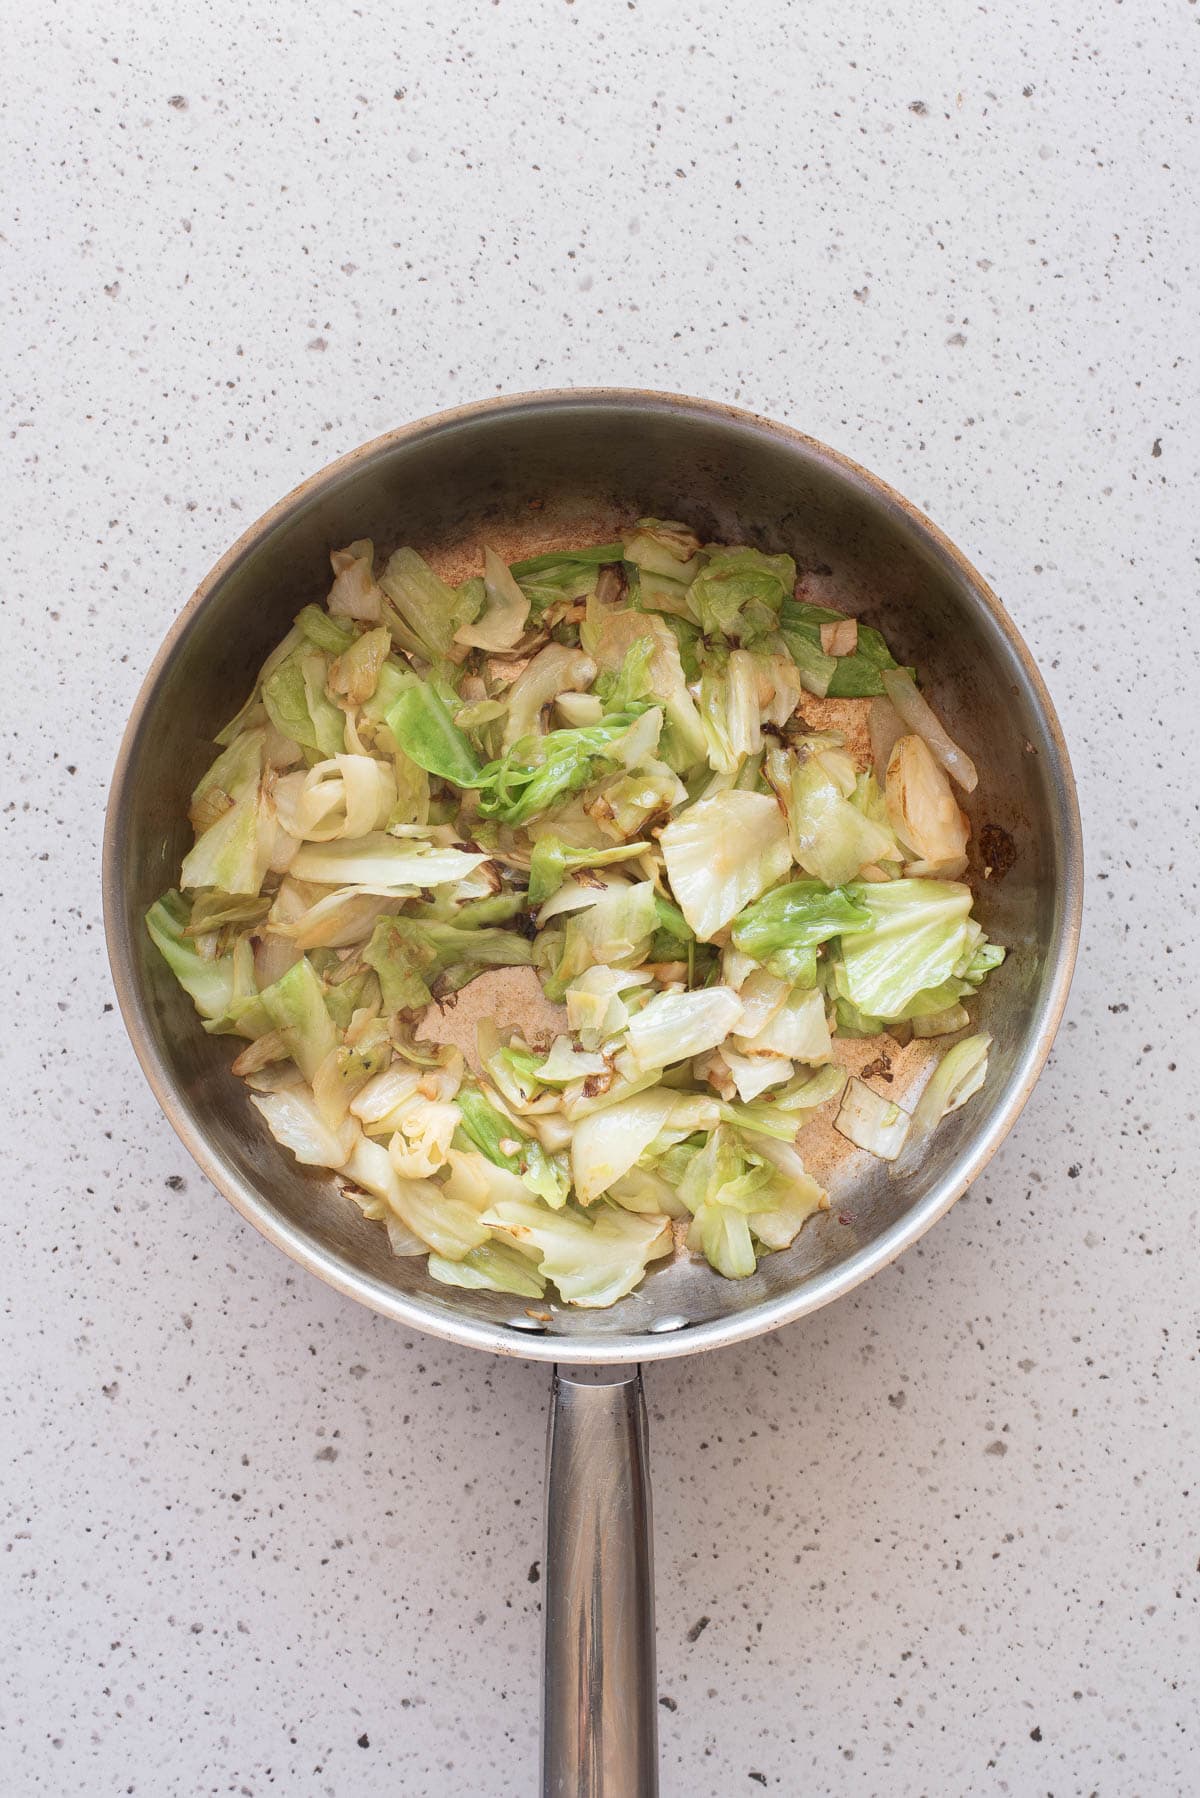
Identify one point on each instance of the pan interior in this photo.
(541, 474)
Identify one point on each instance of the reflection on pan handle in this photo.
(599, 1720)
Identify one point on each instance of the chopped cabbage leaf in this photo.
(410, 954)
(234, 853)
(607, 1142)
(323, 631)
(563, 574)
(297, 705)
(739, 592)
(421, 722)
(380, 860)
(552, 860)
(596, 1009)
(684, 743)
(920, 931)
(593, 1260)
(235, 773)
(675, 1026)
(872, 1122)
(783, 928)
(492, 1267)
(789, 1198)
(420, 610)
(295, 1004)
(537, 772)
(830, 838)
(796, 1029)
(615, 932)
(500, 1140)
(295, 1120)
(354, 593)
(206, 979)
(729, 708)
(506, 609)
(721, 853)
(856, 676)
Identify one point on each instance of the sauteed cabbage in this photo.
(592, 769)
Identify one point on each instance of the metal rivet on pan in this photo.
(662, 1324)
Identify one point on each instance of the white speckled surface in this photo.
(942, 1539)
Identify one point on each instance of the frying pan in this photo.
(531, 473)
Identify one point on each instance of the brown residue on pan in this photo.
(826, 1153)
(997, 851)
(515, 540)
(849, 716)
(510, 997)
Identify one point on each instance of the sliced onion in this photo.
(339, 920)
(840, 639)
(294, 1119)
(273, 956)
(958, 1075)
(579, 708)
(260, 1053)
(884, 724)
(554, 670)
(941, 1023)
(918, 716)
(640, 740)
(346, 796)
(921, 807)
(753, 1074)
(354, 593)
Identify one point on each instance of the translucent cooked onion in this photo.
(884, 725)
(917, 715)
(354, 593)
(921, 807)
(958, 1076)
(554, 670)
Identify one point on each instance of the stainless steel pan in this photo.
(539, 471)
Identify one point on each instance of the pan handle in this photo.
(599, 1718)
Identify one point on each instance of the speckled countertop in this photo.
(939, 1539)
